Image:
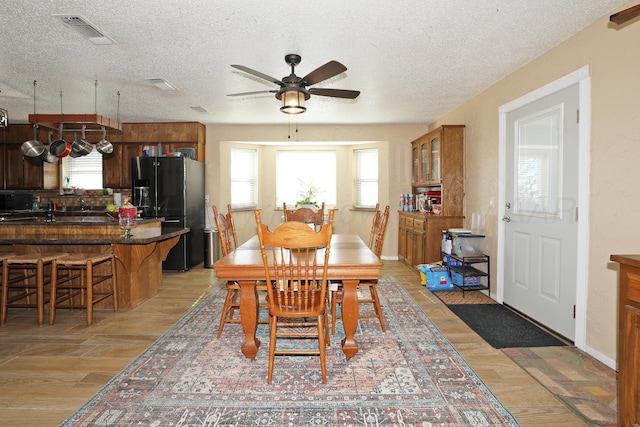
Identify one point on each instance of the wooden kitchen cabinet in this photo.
(20, 172)
(628, 340)
(116, 167)
(437, 160)
(420, 236)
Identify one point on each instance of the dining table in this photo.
(350, 261)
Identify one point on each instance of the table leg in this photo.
(350, 315)
(249, 317)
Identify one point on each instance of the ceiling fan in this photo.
(294, 91)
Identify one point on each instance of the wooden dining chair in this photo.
(367, 292)
(295, 259)
(228, 243)
(304, 214)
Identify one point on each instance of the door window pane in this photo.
(538, 164)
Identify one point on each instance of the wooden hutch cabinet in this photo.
(628, 340)
(437, 160)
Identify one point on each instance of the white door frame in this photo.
(581, 77)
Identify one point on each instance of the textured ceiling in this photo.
(412, 60)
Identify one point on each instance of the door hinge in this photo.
(577, 116)
(574, 311)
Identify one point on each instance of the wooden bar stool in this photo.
(76, 282)
(24, 277)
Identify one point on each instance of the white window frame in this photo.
(244, 178)
(367, 167)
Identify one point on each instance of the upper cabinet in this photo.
(116, 167)
(19, 172)
(438, 164)
(172, 136)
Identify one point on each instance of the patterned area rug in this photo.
(581, 382)
(410, 375)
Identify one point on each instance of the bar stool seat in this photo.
(76, 282)
(24, 277)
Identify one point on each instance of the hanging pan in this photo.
(33, 148)
(50, 157)
(80, 146)
(103, 146)
(60, 148)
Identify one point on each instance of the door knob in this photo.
(506, 218)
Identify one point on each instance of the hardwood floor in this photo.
(48, 372)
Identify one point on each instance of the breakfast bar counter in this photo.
(138, 259)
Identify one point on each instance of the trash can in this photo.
(211, 247)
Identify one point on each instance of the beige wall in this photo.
(613, 58)
(615, 148)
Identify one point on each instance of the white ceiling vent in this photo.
(200, 110)
(85, 28)
(161, 83)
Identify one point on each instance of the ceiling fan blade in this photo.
(252, 93)
(324, 72)
(336, 93)
(258, 74)
(625, 15)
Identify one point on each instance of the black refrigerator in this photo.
(173, 188)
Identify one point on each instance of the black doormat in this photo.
(503, 328)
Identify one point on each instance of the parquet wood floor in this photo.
(48, 372)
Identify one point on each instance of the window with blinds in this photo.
(83, 172)
(366, 180)
(244, 178)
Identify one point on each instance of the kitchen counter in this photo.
(138, 259)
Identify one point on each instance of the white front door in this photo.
(541, 209)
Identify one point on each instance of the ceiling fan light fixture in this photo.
(293, 102)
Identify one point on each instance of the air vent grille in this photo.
(85, 28)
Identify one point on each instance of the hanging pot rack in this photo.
(75, 122)
(78, 122)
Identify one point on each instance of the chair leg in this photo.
(5, 293)
(114, 285)
(334, 304)
(228, 309)
(273, 324)
(377, 307)
(322, 323)
(88, 283)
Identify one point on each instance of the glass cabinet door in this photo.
(435, 159)
(415, 161)
(424, 162)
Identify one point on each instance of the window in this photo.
(82, 172)
(244, 178)
(366, 177)
(299, 171)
